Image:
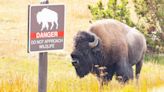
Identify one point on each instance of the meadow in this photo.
(19, 69)
(22, 76)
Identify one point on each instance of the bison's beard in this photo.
(81, 72)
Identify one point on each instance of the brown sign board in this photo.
(46, 25)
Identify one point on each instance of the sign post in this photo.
(45, 33)
(42, 82)
(43, 60)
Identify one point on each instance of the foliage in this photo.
(150, 18)
(113, 9)
(156, 58)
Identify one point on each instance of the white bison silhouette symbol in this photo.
(46, 16)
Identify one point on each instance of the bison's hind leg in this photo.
(138, 68)
(56, 22)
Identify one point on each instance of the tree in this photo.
(114, 9)
(150, 21)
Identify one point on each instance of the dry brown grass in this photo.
(22, 76)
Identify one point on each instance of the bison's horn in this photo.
(95, 42)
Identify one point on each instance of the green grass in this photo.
(159, 59)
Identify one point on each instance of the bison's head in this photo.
(83, 55)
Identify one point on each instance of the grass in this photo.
(19, 69)
(155, 58)
(22, 76)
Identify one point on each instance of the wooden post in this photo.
(42, 81)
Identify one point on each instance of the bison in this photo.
(45, 16)
(111, 44)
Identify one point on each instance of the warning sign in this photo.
(45, 27)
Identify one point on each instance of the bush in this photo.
(113, 9)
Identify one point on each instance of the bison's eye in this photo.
(74, 56)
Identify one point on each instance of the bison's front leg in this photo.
(124, 71)
(110, 72)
